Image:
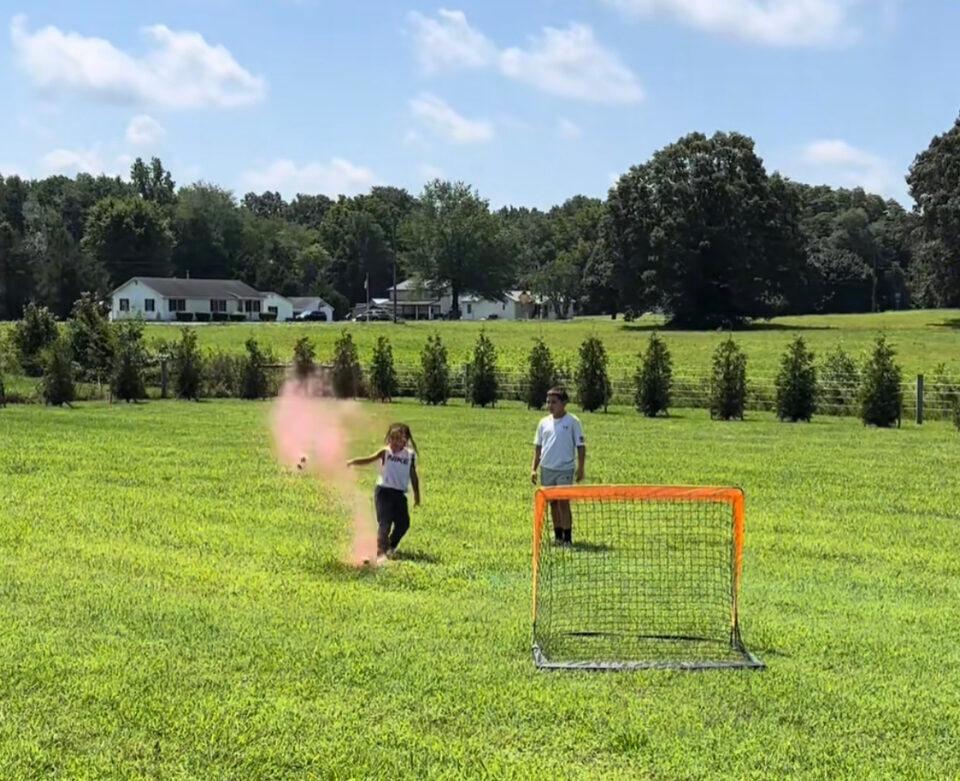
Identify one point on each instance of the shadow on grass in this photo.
(953, 322)
(416, 555)
(764, 652)
(741, 327)
(342, 570)
(591, 547)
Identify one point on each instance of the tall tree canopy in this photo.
(454, 243)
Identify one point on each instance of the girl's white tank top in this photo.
(395, 469)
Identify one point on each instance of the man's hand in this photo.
(533, 476)
(579, 476)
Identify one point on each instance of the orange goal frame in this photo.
(732, 496)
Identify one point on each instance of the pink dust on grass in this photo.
(311, 432)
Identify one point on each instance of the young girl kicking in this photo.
(398, 469)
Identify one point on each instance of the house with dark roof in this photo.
(416, 301)
(162, 298)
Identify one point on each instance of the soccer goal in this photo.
(651, 580)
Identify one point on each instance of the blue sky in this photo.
(531, 102)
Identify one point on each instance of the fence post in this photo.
(164, 378)
(919, 399)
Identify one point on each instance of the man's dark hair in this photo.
(560, 392)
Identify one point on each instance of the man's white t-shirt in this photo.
(559, 439)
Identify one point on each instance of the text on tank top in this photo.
(395, 469)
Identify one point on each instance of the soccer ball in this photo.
(302, 463)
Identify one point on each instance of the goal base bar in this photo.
(746, 661)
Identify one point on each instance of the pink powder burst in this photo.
(311, 432)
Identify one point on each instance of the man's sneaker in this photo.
(391, 553)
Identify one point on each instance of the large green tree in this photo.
(129, 237)
(281, 256)
(308, 210)
(359, 249)
(265, 204)
(208, 227)
(840, 225)
(153, 182)
(60, 270)
(934, 182)
(700, 232)
(454, 243)
(16, 280)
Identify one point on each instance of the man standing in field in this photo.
(559, 448)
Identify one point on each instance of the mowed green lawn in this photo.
(922, 338)
(173, 606)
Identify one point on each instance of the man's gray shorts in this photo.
(556, 476)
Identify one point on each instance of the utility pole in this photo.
(394, 286)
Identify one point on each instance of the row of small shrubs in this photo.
(193, 376)
(879, 394)
(93, 350)
(218, 374)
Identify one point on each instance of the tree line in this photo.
(700, 232)
(91, 349)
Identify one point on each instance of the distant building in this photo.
(416, 302)
(303, 304)
(161, 298)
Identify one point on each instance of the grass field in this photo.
(923, 339)
(173, 606)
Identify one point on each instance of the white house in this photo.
(311, 304)
(279, 305)
(516, 305)
(161, 298)
(414, 302)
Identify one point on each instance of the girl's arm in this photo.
(363, 461)
(415, 482)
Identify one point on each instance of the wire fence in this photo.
(924, 398)
(936, 398)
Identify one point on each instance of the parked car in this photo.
(373, 314)
(312, 314)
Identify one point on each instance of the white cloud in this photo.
(450, 42)
(144, 130)
(180, 71)
(770, 22)
(572, 63)
(839, 163)
(568, 62)
(837, 152)
(447, 123)
(338, 177)
(568, 130)
(72, 161)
